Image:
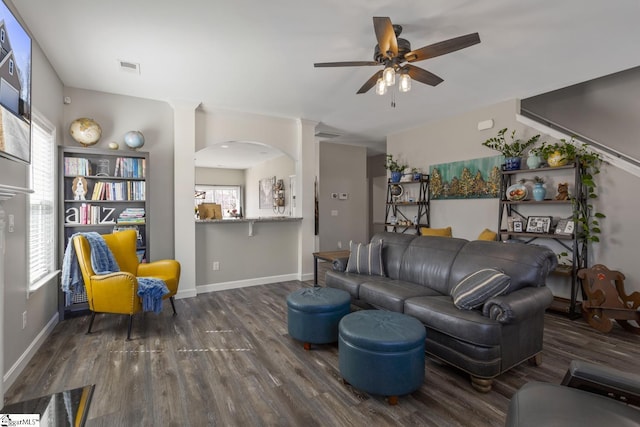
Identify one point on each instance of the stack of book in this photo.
(132, 216)
(126, 190)
(74, 166)
(128, 167)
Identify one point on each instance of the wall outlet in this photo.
(24, 320)
(216, 265)
(339, 244)
(334, 212)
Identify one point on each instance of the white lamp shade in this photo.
(389, 76)
(381, 87)
(405, 83)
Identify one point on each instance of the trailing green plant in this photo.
(589, 162)
(538, 179)
(394, 165)
(515, 148)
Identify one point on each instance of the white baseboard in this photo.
(186, 294)
(223, 286)
(17, 368)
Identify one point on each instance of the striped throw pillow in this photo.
(476, 288)
(366, 259)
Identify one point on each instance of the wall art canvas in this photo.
(466, 179)
(15, 88)
(265, 192)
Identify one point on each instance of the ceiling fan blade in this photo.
(442, 48)
(386, 36)
(423, 76)
(345, 64)
(370, 83)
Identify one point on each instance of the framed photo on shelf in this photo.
(517, 226)
(538, 224)
(565, 227)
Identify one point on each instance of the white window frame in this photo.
(11, 66)
(43, 165)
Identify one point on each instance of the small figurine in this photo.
(563, 191)
(79, 188)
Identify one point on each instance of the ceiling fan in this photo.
(395, 54)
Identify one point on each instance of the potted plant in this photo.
(417, 175)
(395, 167)
(512, 151)
(563, 152)
(534, 157)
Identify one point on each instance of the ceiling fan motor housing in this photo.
(404, 47)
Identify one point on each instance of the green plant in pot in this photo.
(395, 167)
(513, 150)
(563, 152)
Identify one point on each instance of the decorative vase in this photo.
(556, 159)
(396, 176)
(534, 161)
(539, 192)
(512, 163)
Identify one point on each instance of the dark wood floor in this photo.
(227, 360)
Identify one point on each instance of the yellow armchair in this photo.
(117, 292)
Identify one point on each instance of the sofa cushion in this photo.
(366, 259)
(390, 294)
(443, 232)
(488, 235)
(439, 313)
(394, 246)
(525, 264)
(427, 261)
(476, 288)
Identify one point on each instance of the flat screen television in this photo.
(15, 88)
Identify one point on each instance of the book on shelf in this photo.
(74, 166)
(125, 190)
(132, 216)
(130, 167)
(88, 214)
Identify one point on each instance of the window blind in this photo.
(42, 201)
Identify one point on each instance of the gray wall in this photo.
(457, 138)
(41, 306)
(604, 110)
(343, 169)
(119, 114)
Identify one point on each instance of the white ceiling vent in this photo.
(129, 67)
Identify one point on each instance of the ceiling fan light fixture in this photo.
(405, 83)
(381, 86)
(389, 76)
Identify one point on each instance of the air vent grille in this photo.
(129, 67)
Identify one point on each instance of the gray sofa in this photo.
(420, 273)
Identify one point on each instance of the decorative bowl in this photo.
(517, 192)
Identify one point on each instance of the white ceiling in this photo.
(257, 56)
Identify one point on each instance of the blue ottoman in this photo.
(382, 352)
(313, 314)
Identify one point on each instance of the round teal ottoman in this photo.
(313, 314)
(382, 352)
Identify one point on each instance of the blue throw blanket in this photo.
(150, 290)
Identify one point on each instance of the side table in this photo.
(326, 256)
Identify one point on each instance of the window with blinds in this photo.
(42, 220)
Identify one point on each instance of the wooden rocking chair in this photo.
(606, 299)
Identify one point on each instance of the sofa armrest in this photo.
(340, 264)
(518, 305)
(603, 380)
